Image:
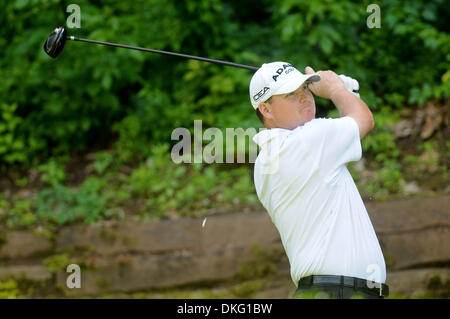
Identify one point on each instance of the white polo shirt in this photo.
(302, 181)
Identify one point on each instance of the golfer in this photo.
(302, 180)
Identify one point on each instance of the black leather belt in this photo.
(344, 281)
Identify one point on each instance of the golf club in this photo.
(57, 40)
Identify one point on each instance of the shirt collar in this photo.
(267, 135)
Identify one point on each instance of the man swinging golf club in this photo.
(300, 173)
(302, 180)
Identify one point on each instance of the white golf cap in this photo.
(276, 78)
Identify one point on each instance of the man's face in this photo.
(293, 109)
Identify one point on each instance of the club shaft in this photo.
(237, 65)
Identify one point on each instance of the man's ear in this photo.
(265, 110)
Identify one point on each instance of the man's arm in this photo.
(350, 105)
(332, 87)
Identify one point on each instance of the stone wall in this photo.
(131, 256)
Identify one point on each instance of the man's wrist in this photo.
(339, 93)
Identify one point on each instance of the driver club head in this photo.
(55, 42)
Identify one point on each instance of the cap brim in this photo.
(296, 82)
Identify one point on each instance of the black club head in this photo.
(55, 42)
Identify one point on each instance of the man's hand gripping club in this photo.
(339, 89)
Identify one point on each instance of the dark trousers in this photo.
(334, 291)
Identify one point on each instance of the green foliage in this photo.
(185, 188)
(389, 177)
(91, 94)
(129, 102)
(381, 141)
(386, 60)
(447, 149)
(9, 289)
(52, 172)
(103, 160)
(58, 113)
(57, 262)
(12, 147)
(162, 187)
(130, 145)
(381, 145)
(61, 205)
(4, 206)
(20, 214)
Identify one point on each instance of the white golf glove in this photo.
(351, 84)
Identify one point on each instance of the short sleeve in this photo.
(332, 142)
